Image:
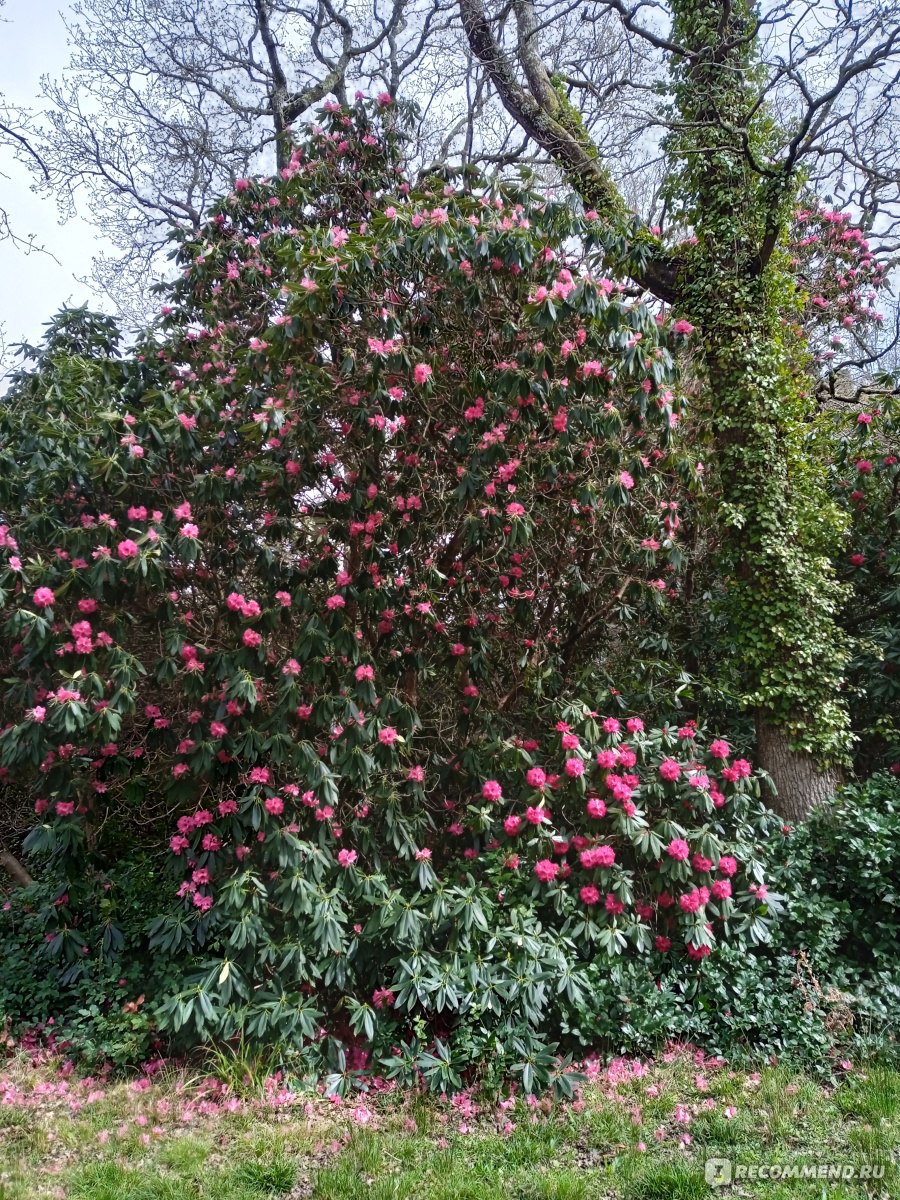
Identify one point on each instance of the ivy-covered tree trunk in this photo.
(781, 595)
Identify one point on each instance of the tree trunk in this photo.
(800, 784)
(11, 865)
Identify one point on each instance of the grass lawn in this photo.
(636, 1133)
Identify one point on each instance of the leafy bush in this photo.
(98, 1006)
(736, 1004)
(840, 874)
(865, 482)
(312, 586)
(827, 983)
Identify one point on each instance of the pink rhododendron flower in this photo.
(690, 902)
(597, 856)
(546, 870)
(669, 769)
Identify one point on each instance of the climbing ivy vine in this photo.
(736, 285)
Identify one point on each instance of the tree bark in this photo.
(14, 868)
(801, 784)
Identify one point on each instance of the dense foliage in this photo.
(841, 873)
(307, 610)
(865, 482)
(310, 590)
(825, 986)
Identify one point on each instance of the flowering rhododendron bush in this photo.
(310, 590)
(865, 482)
(839, 279)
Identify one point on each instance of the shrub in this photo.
(98, 1006)
(312, 586)
(825, 985)
(840, 874)
(865, 482)
(738, 1004)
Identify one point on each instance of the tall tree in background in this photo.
(17, 143)
(166, 102)
(758, 103)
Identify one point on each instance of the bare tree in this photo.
(826, 79)
(17, 134)
(166, 102)
(15, 137)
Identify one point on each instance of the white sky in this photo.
(34, 286)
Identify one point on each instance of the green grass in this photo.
(647, 1138)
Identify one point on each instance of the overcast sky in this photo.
(33, 43)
